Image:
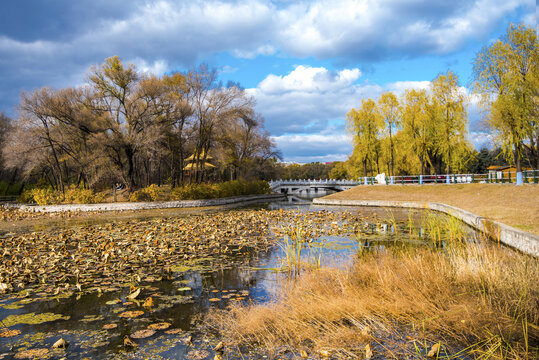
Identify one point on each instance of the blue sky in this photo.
(306, 63)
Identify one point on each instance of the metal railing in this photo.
(322, 182)
(498, 177)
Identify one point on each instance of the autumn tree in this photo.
(177, 111)
(506, 77)
(389, 110)
(137, 129)
(119, 100)
(416, 125)
(214, 107)
(448, 110)
(5, 127)
(365, 124)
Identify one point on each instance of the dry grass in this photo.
(483, 297)
(516, 206)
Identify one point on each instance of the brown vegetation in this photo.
(398, 304)
(128, 127)
(516, 206)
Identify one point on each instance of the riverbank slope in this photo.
(516, 206)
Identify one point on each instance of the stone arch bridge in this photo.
(310, 186)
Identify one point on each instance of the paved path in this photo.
(120, 206)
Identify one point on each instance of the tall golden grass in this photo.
(479, 300)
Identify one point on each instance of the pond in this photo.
(137, 286)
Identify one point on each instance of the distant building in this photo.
(191, 163)
(504, 171)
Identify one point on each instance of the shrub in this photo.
(220, 190)
(48, 196)
(230, 188)
(26, 197)
(10, 190)
(75, 195)
(44, 196)
(194, 192)
(150, 193)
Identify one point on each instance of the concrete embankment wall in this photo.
(518, 239)
(150, 205)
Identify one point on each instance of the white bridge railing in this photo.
(314, 182)
(527, 177)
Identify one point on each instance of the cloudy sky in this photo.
(307, 63)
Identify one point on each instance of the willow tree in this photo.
(450, 116)
(417, 126)
(506, 77)
(389, 110)
(365, 124)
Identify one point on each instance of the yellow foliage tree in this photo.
(365, 124)
(506, 76)
(451, 119)
(389, 110)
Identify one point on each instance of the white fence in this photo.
(498, 177)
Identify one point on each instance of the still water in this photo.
(105, 320)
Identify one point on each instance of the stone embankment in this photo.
(518, 239)
(123, 206)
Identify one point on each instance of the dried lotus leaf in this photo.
(159, 326)
(31, 354)
(142, 334)
(10, 333)
(131, 314)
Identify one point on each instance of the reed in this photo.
(476, 301)
(392, 221)
(292, 248)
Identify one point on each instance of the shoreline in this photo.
(518, 239)
(128, 206)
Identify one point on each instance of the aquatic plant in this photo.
(392, 221)
(292, 248)
(475, 301)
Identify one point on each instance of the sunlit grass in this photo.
(474, 299)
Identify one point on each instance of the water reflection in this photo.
(181, 301)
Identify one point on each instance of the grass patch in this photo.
(477, 300)
(510, 204)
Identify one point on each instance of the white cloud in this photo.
(308, 98)
(309, 79)
(158, 67)
(180, 33)
(227, 69)
(305, 148)
(482, 140)
(359, 28)
(398, 87)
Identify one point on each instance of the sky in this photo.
(306, 63)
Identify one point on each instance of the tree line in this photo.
(426, 131)
(423, 131)
(124, 126)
